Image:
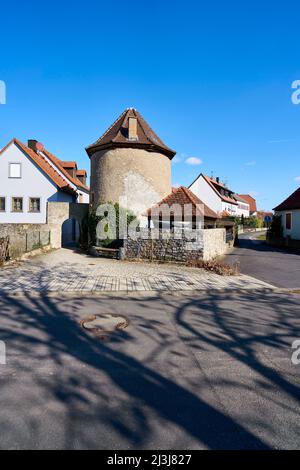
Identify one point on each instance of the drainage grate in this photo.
(104, 325)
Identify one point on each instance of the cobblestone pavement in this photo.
(68, 271)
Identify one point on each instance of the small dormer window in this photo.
(132, 128)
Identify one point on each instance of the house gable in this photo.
(34, 183)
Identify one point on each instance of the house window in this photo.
(288, 221)
(14, 170)
(2, 204)
(34, 204)
(17, 204)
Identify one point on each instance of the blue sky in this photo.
(213, 79)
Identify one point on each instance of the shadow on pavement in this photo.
(97, 390)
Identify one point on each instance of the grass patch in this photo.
(262, 236)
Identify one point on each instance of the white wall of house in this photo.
(83, 197)
(33, 183)
(243, 209)
(231, 208)
(203, 191)
(294, 232)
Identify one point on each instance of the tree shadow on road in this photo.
(103, 395)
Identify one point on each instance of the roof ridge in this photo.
(174, 198)
(113, 124)
(139, 116)
(59, 162)
(42, 162)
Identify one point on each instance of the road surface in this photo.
(272, 265)
(190, 371)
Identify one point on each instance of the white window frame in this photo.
(29, 199)
(10, 164)
(12, 204)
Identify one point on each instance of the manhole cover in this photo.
(103, 325)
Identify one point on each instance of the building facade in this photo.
(215, 195)
(289, 210)
(251, 202)
(30, 177)
(243, 208)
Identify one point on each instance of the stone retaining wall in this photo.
(24, 238)
(27, 237)
(176, 246)
(214, 243)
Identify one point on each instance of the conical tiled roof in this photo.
(117, 136)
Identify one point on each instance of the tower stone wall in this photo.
(134, 177)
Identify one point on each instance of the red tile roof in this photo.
(117, 136)
(81, 173)
(44, 165)
(60, 165)
(250, 200)
(292, 202)
(68, 164)
(215, 185)
(183, 196)
(47, 168)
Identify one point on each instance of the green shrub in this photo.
(93, 220)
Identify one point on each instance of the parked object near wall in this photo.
(4, 249)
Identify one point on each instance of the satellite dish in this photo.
(40, 147)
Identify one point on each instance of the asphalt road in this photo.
(193, 371)
(273, 265)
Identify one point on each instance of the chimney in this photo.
(132, 128)
(82, 178)
(217, 179)
(32, 144)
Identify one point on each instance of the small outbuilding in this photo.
(181, 208)
(289, 210)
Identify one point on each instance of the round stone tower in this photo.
(130, 165)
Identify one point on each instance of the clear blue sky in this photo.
(212, 78)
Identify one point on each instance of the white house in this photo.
(215, 195)
(30, 176)
(289, 210)
(243, 208)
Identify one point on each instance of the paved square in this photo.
(71, 272)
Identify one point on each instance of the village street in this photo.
(188, 371)
(201, 361)
(269, 264)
